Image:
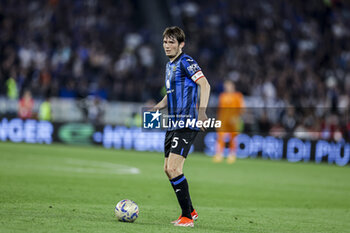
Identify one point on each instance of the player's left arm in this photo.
(204, 87)
(193, 71)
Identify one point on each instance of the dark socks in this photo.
(180, 187)
(191, 206)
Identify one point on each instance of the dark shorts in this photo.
(179, 141)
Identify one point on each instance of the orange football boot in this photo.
(184, 222)
(194, 216)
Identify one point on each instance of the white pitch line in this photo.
(89, 166)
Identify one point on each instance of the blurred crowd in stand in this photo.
(72, 49)
(290, 59)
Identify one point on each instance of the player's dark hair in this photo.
(174, 32)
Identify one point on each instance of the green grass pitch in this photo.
(60, 188)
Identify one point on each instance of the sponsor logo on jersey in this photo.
(193, 68)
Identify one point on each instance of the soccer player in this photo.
(184, 80)
(230, 109)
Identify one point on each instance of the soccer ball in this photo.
(126, 211)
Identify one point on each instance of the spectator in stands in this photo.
(12, 91)
(280, 53)
(45, 110)
(26, 105)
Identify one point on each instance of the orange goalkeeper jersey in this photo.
(230, 108)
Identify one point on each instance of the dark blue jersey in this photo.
(182, 91)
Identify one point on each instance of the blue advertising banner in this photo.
(121, 137)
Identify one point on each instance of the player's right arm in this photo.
(162, 104)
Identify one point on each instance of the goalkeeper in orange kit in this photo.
(230, 109)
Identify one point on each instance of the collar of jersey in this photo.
(178, 57)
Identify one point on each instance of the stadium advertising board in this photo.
(29, 131)
(292, 149)
(121, 137)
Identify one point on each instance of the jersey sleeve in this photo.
(192, 69)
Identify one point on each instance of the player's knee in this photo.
(168, 170)
(173, 171)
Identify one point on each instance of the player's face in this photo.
(229, 86)
(171, 47)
